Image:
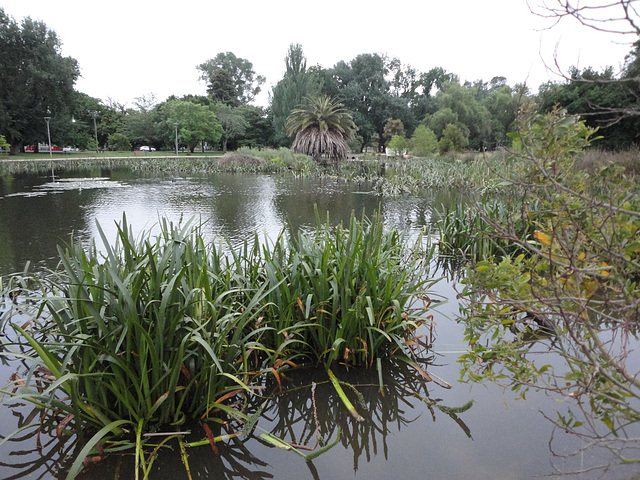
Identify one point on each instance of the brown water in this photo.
(497, 438)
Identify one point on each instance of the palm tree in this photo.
(322, 127)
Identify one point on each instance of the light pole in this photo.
(176, 125)
(95, 128)
(48, 119)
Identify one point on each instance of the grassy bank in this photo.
(251, 161)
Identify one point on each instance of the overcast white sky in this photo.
(127, 49)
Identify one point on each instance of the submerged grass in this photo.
(153, 332)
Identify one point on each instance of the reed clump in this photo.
(152, 332)
(352, 294)
(392, 176)
(473, 232)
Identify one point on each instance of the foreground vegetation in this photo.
(154, 332)
(556, 269)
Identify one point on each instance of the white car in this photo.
(147, 148)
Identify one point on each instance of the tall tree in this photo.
(363, 87)
(36, 81)
(322, 127)
(392, 128)
(424, 141)
(463, 102)
(502, 103)
(141, 126)
(259, 130)
(195, 123)
(234, 126)
(295, 86)
(230, 79)
(606, 102)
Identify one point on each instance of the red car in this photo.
(43, 149)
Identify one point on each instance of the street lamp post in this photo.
(176, 125)
(95, 129)
(48, 119)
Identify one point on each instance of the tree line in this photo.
(392, 104)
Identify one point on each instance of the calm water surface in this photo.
(498, 438)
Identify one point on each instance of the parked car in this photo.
(147, 148)
(69, 149)
(42, 148)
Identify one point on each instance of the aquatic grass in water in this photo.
(470, 231)
(391, 176)
(157, 331)
(348, 294)
(148, 334)
(183, 164)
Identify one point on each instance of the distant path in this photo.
(136, 157)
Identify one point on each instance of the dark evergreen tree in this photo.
(36, 81)
(291, 91)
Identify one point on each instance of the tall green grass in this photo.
(246, 161)
(152, 332)
(392, 176)
(475, 233)
(347, 294)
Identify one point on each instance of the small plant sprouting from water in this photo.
(153, 332)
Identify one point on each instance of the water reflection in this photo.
(310, 409)
(307, 414)
(35, 451)
(37, 214)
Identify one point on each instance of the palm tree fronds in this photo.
(322, 127)
(316, 143)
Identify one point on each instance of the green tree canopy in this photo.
(439, 120)
(605, 101)
(234, 125)
(398, 145)
(118, 141)
(36, 81)
(423, 142)
(196, 123)
(362, 86)
(502, 105)
(392, 128)
(259, 130)
(230, 79)
(453, 140)
(464, 102)
(140, 125)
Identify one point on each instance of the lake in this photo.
(498, 437)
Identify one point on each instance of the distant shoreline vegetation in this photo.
(388, 175)
(487, 173)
